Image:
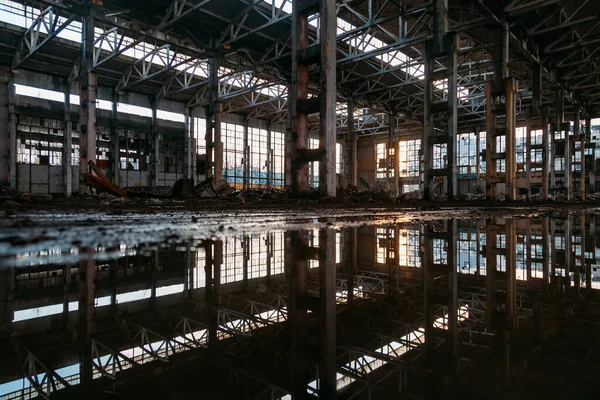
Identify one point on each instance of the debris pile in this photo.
(183, 189)
(8, 193)
(211, 189)
(351, 193)
(268, 196)
(149, 192)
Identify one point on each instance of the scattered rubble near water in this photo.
(211, 191)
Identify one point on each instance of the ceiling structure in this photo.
(162, 47)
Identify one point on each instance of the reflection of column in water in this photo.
(296, 269)
(327, 294)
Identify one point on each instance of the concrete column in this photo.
(210, 111)
(299, 106)
(246, 163)
(511, 149)
(452, 172)
(545, 144)
(327, 289)
(87, 107)
(389, 157)
(187, 172)
(560, 118)
(328, 98)
(528, 157)
(114, 138)
(350, 149)
(426, 157)
(577, 138)
(67, 141)
(478, 157)
(270, 172)
(8, 125)
(218, 143)
(588, 137)
(155, 137)
(12, 132)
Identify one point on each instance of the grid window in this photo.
(467, 153)
(257, 140)
(233, 153)
(409, 159)
(277, 145)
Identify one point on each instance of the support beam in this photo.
(511, 146)
(87, 106)
(155, 143)
(218, 143)
(545, 144)
(67, 141)
(8, 138)
(328, 98)
(298, 119)
(350, 148)
(246, 162)
(115, 139)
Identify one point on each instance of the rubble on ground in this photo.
(8, 192)
(150, 192)
(212, 189)
(183, 189)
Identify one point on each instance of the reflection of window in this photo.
(408, 251)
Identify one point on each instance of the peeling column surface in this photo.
(470, 301)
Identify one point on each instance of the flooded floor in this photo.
(465, 303)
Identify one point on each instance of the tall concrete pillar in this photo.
(560, 126)
(114, 139)
(545, 145)
(270, 155)
(528, 157)
(511, 147)
(328, 98)
(350, 149)
(218, 143)
(155, 145)
(8, 130)
(577, 138)
(87, 106)
(67, 141)
(246, 163)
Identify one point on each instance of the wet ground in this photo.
(152, 301)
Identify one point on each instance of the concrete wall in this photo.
(44, 179)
